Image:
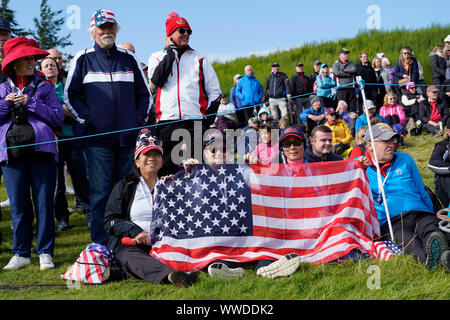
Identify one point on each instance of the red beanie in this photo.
(174, 22)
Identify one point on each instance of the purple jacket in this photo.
(44, 114)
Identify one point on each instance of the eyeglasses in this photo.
(406, 52)
(296, 143)
(391, 141)
(183, 30)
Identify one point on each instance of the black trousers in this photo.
(411, 231)
(442, 187)
(166, 130)
(300, 105)
(244, 114)
(349, 96)
(137, 261)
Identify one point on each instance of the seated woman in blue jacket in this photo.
(414, 224)
(324, 85)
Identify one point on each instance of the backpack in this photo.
(90, 265)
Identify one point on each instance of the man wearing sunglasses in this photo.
(186, 87)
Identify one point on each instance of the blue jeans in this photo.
(105, 166)
(39, 174)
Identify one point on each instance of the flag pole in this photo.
(380, 183)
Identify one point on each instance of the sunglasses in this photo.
(216, 149)
(287, 144)
(150, 142)
(183, 30)
(406, 52)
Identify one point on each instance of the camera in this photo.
(19, 114)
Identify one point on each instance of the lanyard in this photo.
(379, 198)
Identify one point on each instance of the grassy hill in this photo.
(390, 42)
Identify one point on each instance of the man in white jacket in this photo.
(186, 88)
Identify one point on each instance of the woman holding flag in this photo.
(129, 216)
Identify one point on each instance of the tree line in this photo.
(47, 26)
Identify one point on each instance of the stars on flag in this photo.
(207, 201)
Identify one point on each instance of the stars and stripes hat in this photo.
(102, 16)
(214, 136)
(146, 142)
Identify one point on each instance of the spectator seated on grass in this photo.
(215, 153)
(342, 136)
(414, 223)
(440, 165)
(129, 213)
(433, 112)
(362, 119)
(314, 115)
(320, 148)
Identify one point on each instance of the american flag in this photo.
(90, 265)
(241, 213)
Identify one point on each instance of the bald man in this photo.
(127, 46)
(57, 56)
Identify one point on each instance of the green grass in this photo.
(401, 278)
(390, 42)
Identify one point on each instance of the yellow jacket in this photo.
(341, 132)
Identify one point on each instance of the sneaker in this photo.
(17, 262)
(182, 279)
(222, 271)
(285, 266)
(115, 274)
(46, 261)
(436, 245)
(5, 204)
(445, 260)
(69, 190)
(62, 225)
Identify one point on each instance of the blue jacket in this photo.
(403, 187)
(304, 115)
(234, 99)
(413, 71)
(361, 121)
(106, 91)
(324, 83)
(249, 90)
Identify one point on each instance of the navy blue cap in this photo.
(5, 25)
(292, 131)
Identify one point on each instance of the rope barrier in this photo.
(208, 115)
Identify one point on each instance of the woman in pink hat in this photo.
(30, 114)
